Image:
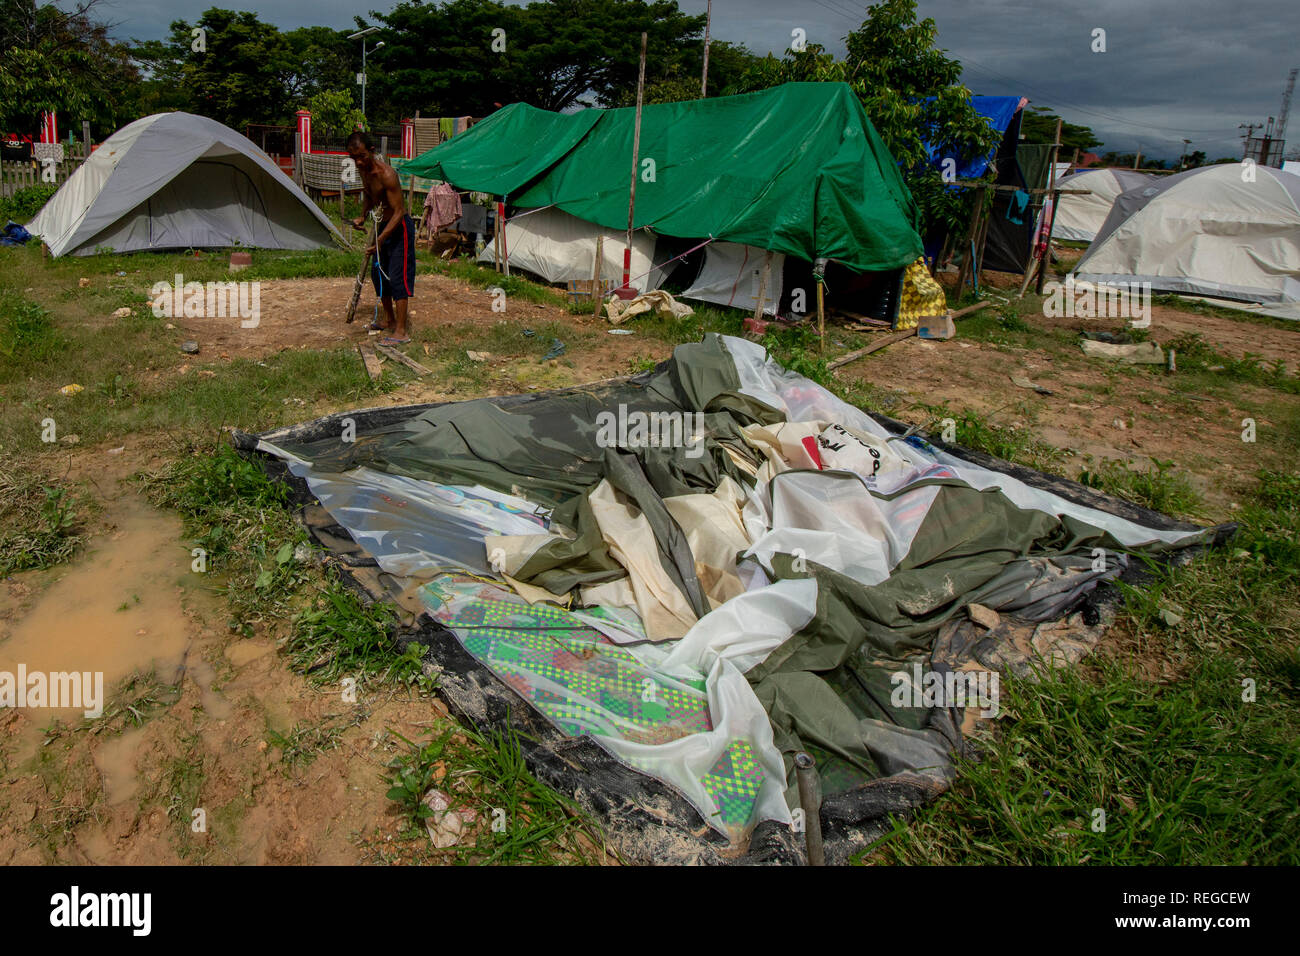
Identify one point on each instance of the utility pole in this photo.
(1248, 136)
(704, 78)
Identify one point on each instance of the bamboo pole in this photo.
(636, 151)
(821, 317)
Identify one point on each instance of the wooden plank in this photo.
(597, 268)
(864, 319)
(402, 357)
(873, 347)
(370, 361)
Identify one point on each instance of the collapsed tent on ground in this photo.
(179, 181)
(796, 171)
(707, 569)
(1080, 217)
(1227, 231)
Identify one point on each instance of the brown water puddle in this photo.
(115, 611)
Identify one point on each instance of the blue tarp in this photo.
(999, 111)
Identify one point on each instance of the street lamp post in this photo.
(361, 35)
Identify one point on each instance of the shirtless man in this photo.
(393, 268)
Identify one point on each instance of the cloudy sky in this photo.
(1172, 69)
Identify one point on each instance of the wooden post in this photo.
(1046, 244)
(636, 150)
(762, 285)
(297, 158)
(383, 147)
(342, 188)
(85, 139)
(977, 259)
(496, 240)
(977, 213)
(821, 317)
(1137, 160)
(597, 271)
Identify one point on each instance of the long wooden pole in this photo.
(597, 273)
(636, 150)
(1046, 245)
(704, 77)
(976, 213)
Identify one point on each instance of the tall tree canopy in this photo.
(470, 56)
(236, 69)
(64, 61)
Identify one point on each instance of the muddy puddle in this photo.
(118, 609)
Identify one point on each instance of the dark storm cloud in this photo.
(1172, 68)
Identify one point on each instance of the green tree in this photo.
(235, 68)
(334, 113)
(1038, 125)
(472, 56)
(324, 59)
(65, 62)
(911, 91)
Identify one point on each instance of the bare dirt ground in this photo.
(309, 314)
(1097, 410)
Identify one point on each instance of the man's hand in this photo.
(358, 223)
(370, 249)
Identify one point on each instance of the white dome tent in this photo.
(1079, 217)
(178, 181)
(1228, 231)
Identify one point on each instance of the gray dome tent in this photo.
(1079, 217)
(1228, 231)
(176, 181)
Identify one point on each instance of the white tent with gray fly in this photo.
(179, 181)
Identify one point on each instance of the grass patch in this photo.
(514, 286)
(250, 543)
(340, 636)
(517, 819)
(1194, 772)
(306, 741)
(1161, 487)
(1014, 443)
(40, 522)
(1195, 355)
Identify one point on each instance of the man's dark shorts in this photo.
(393, 269)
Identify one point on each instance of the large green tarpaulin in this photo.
(797, 169)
